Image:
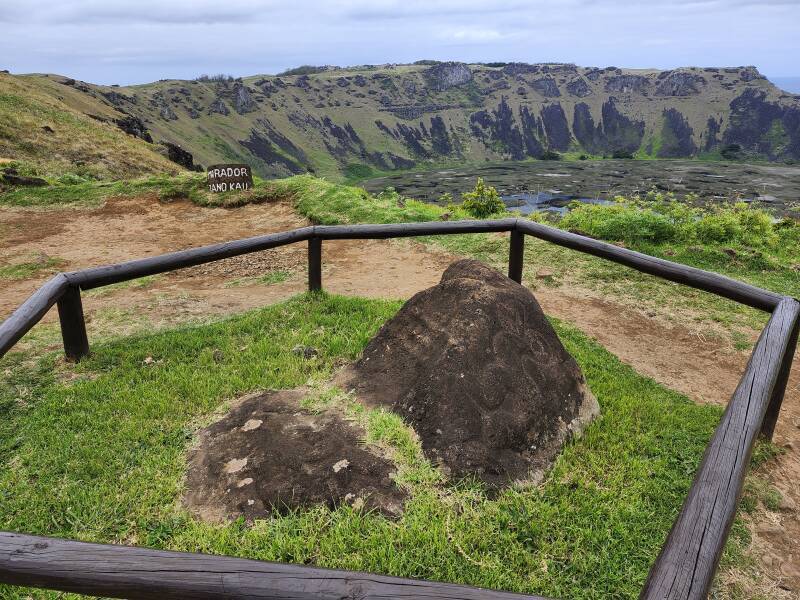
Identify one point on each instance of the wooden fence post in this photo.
(314, 264)
(73, 326)
(516, 251)
(774, 408)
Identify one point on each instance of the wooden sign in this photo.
(229, 178)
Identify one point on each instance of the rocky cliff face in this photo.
(399, 116)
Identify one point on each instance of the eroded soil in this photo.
(269, 454)
(675, 353)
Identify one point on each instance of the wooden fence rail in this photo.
(131, 572)
(687, 562)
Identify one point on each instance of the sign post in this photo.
(229, 178)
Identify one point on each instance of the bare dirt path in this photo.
(706, 369)
(123, 229)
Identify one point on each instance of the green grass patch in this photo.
(140, 283)
(188, 186)
(99, 455)
(24, 270)
(271, 278)
(735, 240)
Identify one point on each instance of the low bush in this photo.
(483, 201)
(659, 218)
(355, 171)
(619, 223)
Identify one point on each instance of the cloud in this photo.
(477, 35)
(124, 41)
(80, 12)
(419, 9)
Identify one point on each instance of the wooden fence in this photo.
(684, 568)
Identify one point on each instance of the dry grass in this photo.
(39, 130)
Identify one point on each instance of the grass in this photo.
(96, 452)
(168, 188)
(738, 242)
(101, 150)
(86, 193)
(27, 269)
(741, 243)
(271, 278)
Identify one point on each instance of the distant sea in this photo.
(787, 84)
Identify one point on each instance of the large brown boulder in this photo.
(474, 366)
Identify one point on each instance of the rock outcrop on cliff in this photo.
(401, 116)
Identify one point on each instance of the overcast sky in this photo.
(135, 41)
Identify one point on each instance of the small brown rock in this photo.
(544, 273)
(787, 504)
(769, 529)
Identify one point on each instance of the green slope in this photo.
(47, 128)
(409, 116)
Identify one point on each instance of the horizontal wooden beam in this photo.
(720, 285)
(688, 560)
(395, 230)
(31, 311)
(100, 276)
(38, 304)
(141, 573)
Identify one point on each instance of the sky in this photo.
(137, 41)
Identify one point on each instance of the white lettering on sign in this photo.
(229, 178)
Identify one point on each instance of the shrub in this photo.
(620, 223)
(659, 217)
(731, 152)
(219, 78)
(716, 228)
(483, 201)
(71, 179)
(621, 154)
(305, 70)
(358, 171)
(550, 155)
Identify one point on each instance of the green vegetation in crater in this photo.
(483, 201)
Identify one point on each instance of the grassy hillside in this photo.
(45, 127)
(357, 121)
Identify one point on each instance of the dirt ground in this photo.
(707, 369)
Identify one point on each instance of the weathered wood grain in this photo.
(697, 278)
(141, 573)
(394, 230)
(774, 408)
(100, 276)
(314, 264)
(516, 253)
(73, 326)
(688, 560)
(30, 312)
